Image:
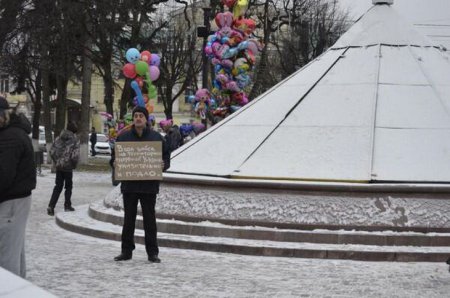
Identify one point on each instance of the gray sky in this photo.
(430, 17)
(435, 11)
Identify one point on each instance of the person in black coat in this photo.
(17, 180)
(144, 191)
(93, 140)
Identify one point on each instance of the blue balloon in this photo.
(137, 90)
(133, 55)
(230, 53)
(243, 45)
(217, 68)
(217, 85)
(212, 38)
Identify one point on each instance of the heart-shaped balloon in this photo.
(224, 19)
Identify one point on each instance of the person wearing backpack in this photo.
(65, 153)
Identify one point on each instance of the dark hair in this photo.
(140, 110)
(71, 126)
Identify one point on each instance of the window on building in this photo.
(4, 84)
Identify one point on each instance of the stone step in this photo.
(80, 222)
(100, 212)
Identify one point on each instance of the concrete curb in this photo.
(201, 243)
(240, 232)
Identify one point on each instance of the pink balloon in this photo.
(154, 72)
(129, 70)
(146, 56)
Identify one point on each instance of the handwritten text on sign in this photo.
(138, 161)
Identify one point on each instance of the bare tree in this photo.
(180, 64)
(294, 32)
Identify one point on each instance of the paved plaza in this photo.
(72, 265)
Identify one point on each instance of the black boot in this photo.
(123, 257)
(50, 211)
(70, 208)
(154, 259)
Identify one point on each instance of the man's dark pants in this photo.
(130, 202)
(93, 153)
(62, 178)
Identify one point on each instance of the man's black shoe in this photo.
(154, 259)
(123, 257)
(50, 211)
(69, 209)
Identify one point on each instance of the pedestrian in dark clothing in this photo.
(65, 153)
(143, 191)
(17, 180)
(93, 140)
(173, 136)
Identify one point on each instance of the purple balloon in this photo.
(154, 73)
(154, 60)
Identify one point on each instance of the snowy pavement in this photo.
(72, 265)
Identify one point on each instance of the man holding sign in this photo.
(140, 157)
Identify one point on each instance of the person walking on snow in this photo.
(143, 191)
(17, 180)
(93, 140)
(65, 153)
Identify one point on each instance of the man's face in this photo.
(139, 120)
(166, 128)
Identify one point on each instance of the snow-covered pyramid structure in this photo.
(373, 108)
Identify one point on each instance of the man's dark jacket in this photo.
(17, 167)
(144, 186)
(93, 138)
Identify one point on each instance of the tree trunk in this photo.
(85, 101)
(60, 117)
(46, 101)
(109, 89)
(259, 85)
(37, 106)
(168, 111)
(125, 98)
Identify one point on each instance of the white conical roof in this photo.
(374, 107)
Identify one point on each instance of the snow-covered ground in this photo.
(71, 265)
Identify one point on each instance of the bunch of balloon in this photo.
(202, 100)
(232, 50)
(143, 69)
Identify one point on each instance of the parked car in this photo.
(102, 146)
(42, 138)
(42, 141)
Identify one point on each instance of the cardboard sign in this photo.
(138, 161)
